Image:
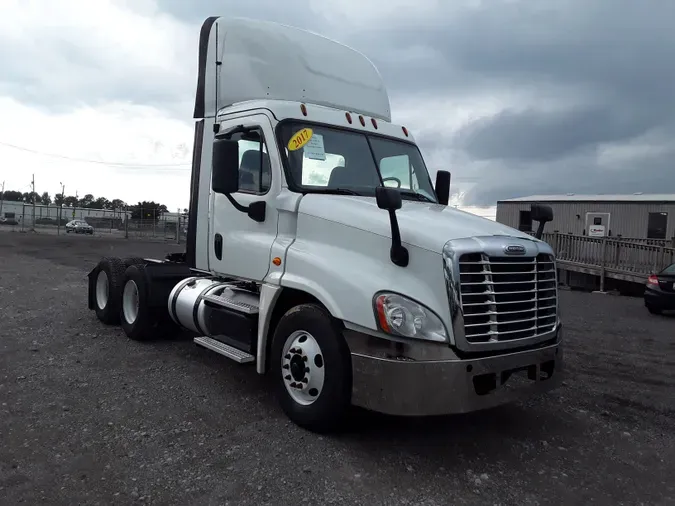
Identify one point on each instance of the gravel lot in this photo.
(89, 417)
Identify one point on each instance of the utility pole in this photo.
(2, 198)
(60, 217)
(33, 221)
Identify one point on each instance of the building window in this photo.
(597, 220)
(525, 221)
(10, 216)
(656, 225)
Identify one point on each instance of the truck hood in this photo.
(422, 224)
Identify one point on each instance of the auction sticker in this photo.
(299, 139)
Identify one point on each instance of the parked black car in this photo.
(660, 291)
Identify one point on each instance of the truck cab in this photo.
(320, 250)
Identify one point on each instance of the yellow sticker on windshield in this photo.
(299, 139)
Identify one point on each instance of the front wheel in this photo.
(312, 369)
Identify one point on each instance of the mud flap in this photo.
(91, 292)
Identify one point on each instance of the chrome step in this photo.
(224, 349)
(236, 305)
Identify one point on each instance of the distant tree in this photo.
(117, 204)
(70, 201)
(45, 199)
(58, 199)
(86, 201)
(147, 210)
(100, 203)
(30, 197)
(13, 196)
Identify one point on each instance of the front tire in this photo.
(311, 366)
(139, 321)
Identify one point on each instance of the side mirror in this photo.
(443, 187)
(542, 214)
(225, 166)
(388, 198)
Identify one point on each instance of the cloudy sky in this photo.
(514, 97)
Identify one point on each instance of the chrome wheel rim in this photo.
(130, 301)
(102, 290)
(302, 367)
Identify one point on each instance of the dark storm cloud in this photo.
(597, 73)
(544, 135)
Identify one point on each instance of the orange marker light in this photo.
(349, 117)
(363, 121)
(303, 108)
(276, 261)
(372, 120)
(405, 131)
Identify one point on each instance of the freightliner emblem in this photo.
(514, 249)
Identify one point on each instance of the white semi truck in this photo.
(319, 250)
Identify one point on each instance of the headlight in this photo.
(400, 316)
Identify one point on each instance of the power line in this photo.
(117, 164)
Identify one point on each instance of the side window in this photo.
(255, 171)
(399, 168)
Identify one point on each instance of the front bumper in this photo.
(658, 298)
(422, 379)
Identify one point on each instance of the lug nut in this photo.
(305, 380)
(287, 377)
(307, 369)
(286, 366)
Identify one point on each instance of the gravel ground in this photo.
(88, 416)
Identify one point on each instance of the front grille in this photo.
(505, 298)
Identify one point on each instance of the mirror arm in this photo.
(398, 253)
(237, 205)
(540, 230)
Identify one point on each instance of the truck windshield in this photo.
(322, 159)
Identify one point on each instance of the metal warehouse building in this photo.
(638, 216)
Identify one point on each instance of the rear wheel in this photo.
(139, 320)
(108, 289)
(312, 370)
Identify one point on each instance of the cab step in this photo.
(248, 307)
(224, 349)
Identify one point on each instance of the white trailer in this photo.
(319, 250)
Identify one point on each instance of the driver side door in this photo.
(238, 245)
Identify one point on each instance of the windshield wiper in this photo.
(416, 196)
(340, 191)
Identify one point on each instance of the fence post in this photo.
(604, 263)
(126, 223)
(178, 227)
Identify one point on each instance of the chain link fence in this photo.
(130, 222)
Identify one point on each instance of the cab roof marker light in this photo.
(405, 131)
(362, 120)
(303, 108)
(349, 118)
(372, 120)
